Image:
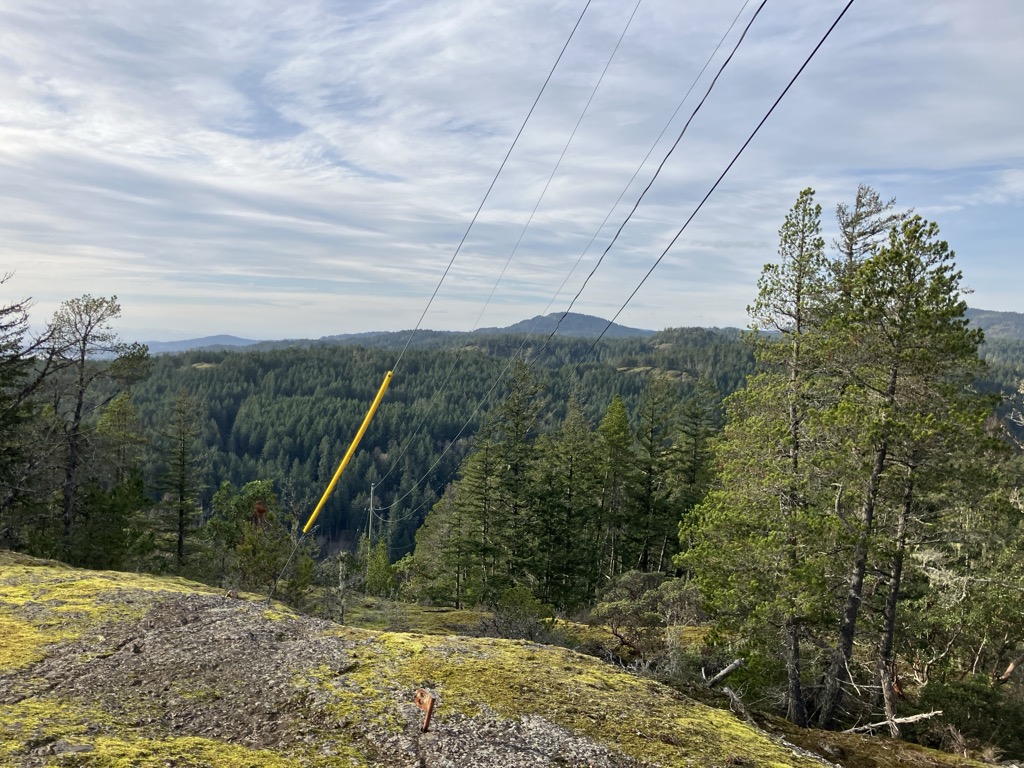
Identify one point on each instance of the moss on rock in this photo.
(111, 669)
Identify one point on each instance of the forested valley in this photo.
(832, 500)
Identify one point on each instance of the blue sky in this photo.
(298, 169)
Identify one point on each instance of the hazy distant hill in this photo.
(217, 343)
(998, 325)
(581, 326)
(574, 325)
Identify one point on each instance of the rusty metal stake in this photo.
(425, 700)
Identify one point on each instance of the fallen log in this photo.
(724, 673)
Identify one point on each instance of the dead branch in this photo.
(898, 720)
(724, 673)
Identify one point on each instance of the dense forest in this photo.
(834, 496)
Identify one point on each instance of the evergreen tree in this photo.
(903, 347)
(514, 525)
(756, 539)
(654, 518)
(23, 367)
(180, 480)
(616, 462)
(567, 485)
(87, 352)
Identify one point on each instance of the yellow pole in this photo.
(351, 450)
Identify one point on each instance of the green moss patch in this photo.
(639, 718)
(69, 735)
(860, 751)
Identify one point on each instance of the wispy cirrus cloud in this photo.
(278, 169)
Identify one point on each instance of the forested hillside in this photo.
(998, 325)
(288, 415)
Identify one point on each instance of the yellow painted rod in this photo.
(351, 450)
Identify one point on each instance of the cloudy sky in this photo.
(297, 169)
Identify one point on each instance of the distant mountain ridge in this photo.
(998, 325)
(573, 324)
(217, 343)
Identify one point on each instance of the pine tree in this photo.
(756, 539)
(903, 347)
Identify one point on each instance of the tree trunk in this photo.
(1010, 668)
(796, 709)
(74, 454)
(886, 662)
(837, 672)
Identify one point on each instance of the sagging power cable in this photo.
(444, 382)
(719, 179)
(657, 172)
(490, 187)
(437, 288)
(529, 335)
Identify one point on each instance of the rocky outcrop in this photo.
(113, 669)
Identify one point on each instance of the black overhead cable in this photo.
(558, 163)
(719, 179)
(522, 345)
(674, 239)
(515, 248)
(657, 172)
(629, 183)
(490, 187)
(447, 269)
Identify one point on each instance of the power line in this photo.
(465, 235)
(632, 178)
(661, 165)
(522, 234)
(722, 176)
(596, 233)
(681, 230)
(491, 186)
(558, 163)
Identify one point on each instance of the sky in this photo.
(300, 169)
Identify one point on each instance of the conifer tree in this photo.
(654, 519)
(180, 479)
(616, 463)
(567, 500)
(903, 347)
(86, 351)
(513, 527)
(756, 539)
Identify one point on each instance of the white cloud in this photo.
(320, 161)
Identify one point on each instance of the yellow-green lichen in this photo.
(42, 603)
(22, 643)
(34, 726)
(355, 696)
(276, 614)
(378, 613)
(34, 721)
(638, 717)
(182, 752)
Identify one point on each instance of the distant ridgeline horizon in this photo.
(996, 325)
